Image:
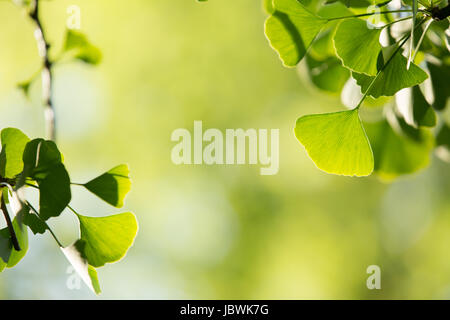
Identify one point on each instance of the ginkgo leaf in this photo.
(13, 144)
(43, 163)
(291, 29)
(414, 108)
(357, 46)
(107, 238)
(393, 78)
(356, 3)
(351, 96)
(35, 224)
(5, 248)
(39, 157)
(268, 7)
(112, 186)
(83, 50)
(25, 87)
(54, 192)
(21, 231)
(336, 142)
(395, 153)
(328, 75)
(74, 253)
(14, 256)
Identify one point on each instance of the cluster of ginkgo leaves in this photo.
(39, 165)
(375, 53)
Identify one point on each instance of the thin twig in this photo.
(46, 72)
(395, 21)
(14, 240)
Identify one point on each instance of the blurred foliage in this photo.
(214, 231)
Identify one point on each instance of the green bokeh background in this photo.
(212, 232)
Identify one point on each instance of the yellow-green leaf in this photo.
(107, 238)
(112, 186)
(393, 78)
(291, 29)
(336, 142)
(13, 144)
(358, 46)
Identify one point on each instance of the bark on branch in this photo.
(46, 72)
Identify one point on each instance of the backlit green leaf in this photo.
(5, 248)
(83, 50)
(268, 7)
(34, 223)
(393, 78)
(336, 142)
(358, 46)
(54, 192)
(356, 3)
(14, 256)
(43, 163)
(328, 75)
(13, 144)
(112, 186)
(107, 238)
(291, 30)
(39, 157)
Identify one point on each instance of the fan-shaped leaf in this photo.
(82, 48)
(13, 145)
(336, 142)
(328, 75)
(291, 30)
(107, 238)
(357, 46)
(8, 254)
(34, 223)
(393, 78)
(39, 157)
(54, 192)
(112, 186)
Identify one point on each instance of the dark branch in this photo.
(14, 240)
(46, 73)
(441, 14)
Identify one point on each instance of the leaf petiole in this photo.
(393, 22)
(46, 224)
(427, 26)
(73, 210)
(368, 14)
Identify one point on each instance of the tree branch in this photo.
(46, 72)
(14, 240)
